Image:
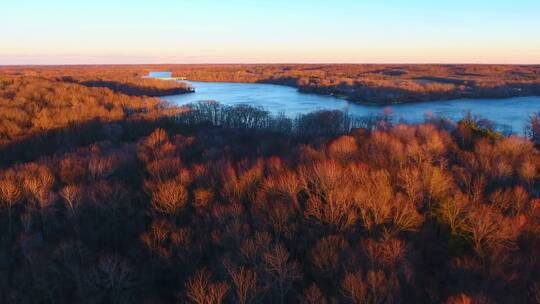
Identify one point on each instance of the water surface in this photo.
(159, 75)
(510, 114)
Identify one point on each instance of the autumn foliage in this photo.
(381, 83)
(196, 207)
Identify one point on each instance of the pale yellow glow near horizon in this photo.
(279, 31)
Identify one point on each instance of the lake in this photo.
(510, 114)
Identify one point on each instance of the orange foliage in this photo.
(219, 205)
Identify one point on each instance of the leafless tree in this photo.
(282, 269)
(72, 194)
(328, 255)
(169, 197)
(354, 288)
(201, 290)
(10, 194)
(245, 282)
(313, 295)
(533, 128)
(489, 231)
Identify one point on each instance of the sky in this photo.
(269, 31)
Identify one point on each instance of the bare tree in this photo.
(489, 231)
(374, 199)
(283, 270)
(113, 278)
(405, 216)
(329, 191)
(245, 282)
(169, 197)
(10, 194)
(375, 288)
(328, 254)
(354, 288)
(37, 179)
(201, 290)
(72, 194)
(533, 128)
(155, 239)
(313, 295)
(453, 212)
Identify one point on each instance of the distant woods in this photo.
(382, 84)
(140, 87)
(36, 103)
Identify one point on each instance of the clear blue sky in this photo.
(199, 31)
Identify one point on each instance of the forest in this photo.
(110, 195)
(365, 83)
(382, 84)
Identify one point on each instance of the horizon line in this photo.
(267, 63)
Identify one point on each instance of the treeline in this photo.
(375, 83)
(382, 84)
(140, 86)
(129, 80)
(242, 117)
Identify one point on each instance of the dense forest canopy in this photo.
(108, 195)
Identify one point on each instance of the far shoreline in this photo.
(360, 102)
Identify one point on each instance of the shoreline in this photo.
(421, 99)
